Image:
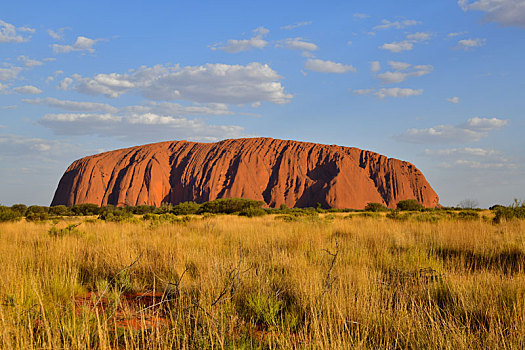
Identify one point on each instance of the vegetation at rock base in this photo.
(287, 279)
(409, 205)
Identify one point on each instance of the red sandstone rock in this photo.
(297, 174)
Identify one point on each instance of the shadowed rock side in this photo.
(277, 172)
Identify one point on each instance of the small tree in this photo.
(409, 205)
(468, 204)
(375, 207)
(186, 208)
(9, 214)
(229, 205)
(59, 210)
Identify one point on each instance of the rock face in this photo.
(277, 172)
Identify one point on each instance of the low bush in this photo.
(60, 210)
(186, 208)
(41, 216)
(396, 215)
(36, 209)
(514, 211)
(86, 209)
(116, 215)
(468, 215)
(69, 230)
(19, 208)
(409, 205)
(268, 309)
(8, 214)
(375, 207)
(252, 212)
(229, 205)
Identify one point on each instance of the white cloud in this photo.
(28, 90)
(375, 66)
(297, 44)
(454, 99)
(255, 42)
(322, 66)
(402, 71)
(363, 91)
(454, 34)
(28, 62)
(398, 46)
(307, 54)
(473, 164)
(21, 146)
(467, 44)
(26, 29)
(52, 77)
(73, 106)
(9, 73)
(389, 92)
(505, 12)
(408, 43)
(175, 109)
(472, 130)
(417, 37)
(81, 44)
(216, 83)
(467, 151)
(485, 124)
(396, 65)
(3, 88)
(296, 25)
(144, 126)
(9, 33)
(470, 157)
(65, 84)
(386, 24)
(361, 15)
(397, 92)
(56, 34)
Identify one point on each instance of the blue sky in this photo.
(438, 83)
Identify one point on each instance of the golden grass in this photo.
(234, 282)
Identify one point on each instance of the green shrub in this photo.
(69, 230)
(375, 207)
(8, 214)
(287, 218)
(164, 208)
(514, 211)
(86, 209)
(116, 215)
(168, 217)
(268, 309)
(396, 215)
(59, 210)
(41, 216)
(468, 215)
(141, 209)
(19, 208)
(409, 205)
(252, 212)
(36, 209)
(186, 208)
(425, 217)
(366, 214)
(229, 205)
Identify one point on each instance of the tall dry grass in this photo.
(232, 282)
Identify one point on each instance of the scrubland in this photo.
(328, 281)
